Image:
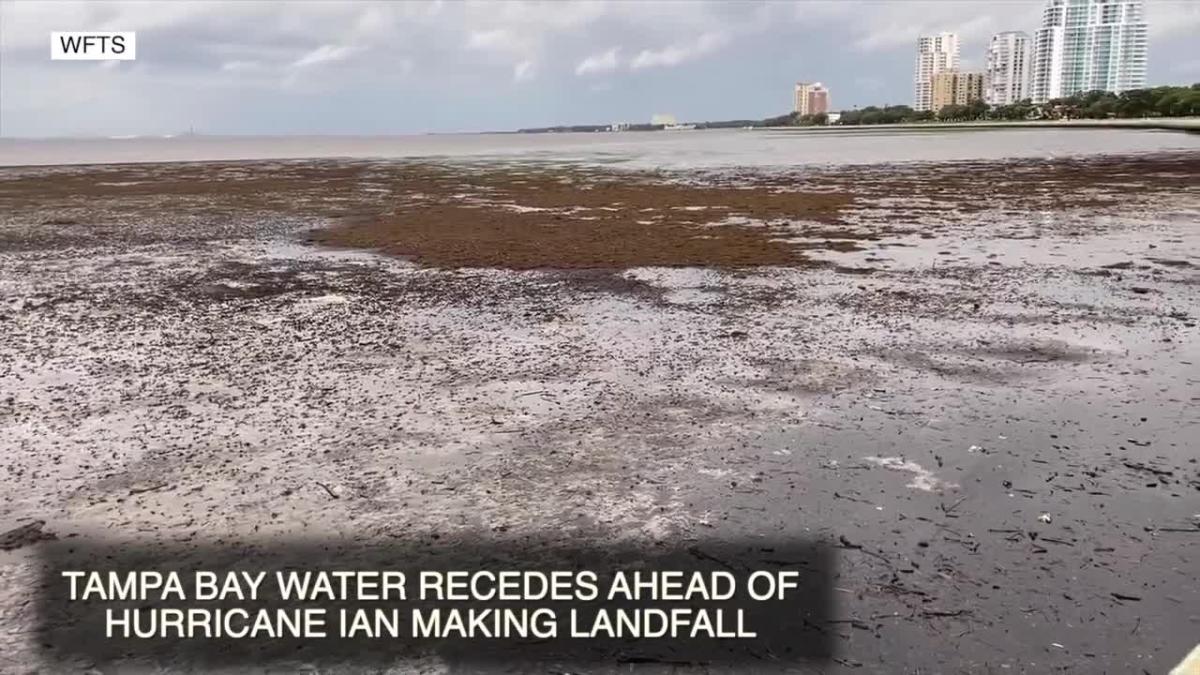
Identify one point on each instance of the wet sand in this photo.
(915, 363)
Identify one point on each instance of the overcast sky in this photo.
(402, 67)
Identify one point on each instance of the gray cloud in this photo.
(392, 67)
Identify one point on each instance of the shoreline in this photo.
(1184, 124)
(669, 150)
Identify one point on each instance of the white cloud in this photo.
(499, 40)
(506, 44)
(680, 52)
(524, 71)
(892, 26)
(324, 54)
(604, 62)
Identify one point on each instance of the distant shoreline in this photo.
(823, 144)
(1188, 124)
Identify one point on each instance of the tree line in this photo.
(1153, 102)
(1183, 101)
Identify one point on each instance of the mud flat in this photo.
(977, 379)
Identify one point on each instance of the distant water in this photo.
(635, 150)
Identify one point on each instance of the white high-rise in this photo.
(1006, 76)
(1084, 45)
(935, 54)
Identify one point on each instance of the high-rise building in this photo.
(935, 54)
(810, 98)
(1006, 77)
(956, 88)
(1084, 45)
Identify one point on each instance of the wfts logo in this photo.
(93, 46)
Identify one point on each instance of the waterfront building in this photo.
(663, 120)
(955, 88)
(1006, 73)
(810, 98)
(935, 54)
(1085, 45)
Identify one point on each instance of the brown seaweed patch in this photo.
(454, 236)
(570, 220)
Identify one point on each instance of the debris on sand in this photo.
(25, 535)
(923, 479)
(181, 364)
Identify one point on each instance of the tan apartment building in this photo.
(810, 98)
(956, 89)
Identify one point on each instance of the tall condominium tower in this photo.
(1006, 75)
(1089, 44)
(935, 54)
